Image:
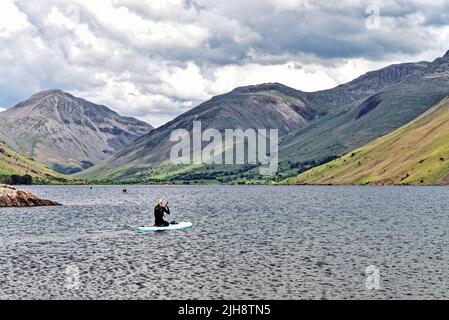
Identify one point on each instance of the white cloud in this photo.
(226, 78)
(12, 20)
(184, 83)
(281, 5)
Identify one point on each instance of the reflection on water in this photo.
(248, 242)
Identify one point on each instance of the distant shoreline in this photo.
(233, 184)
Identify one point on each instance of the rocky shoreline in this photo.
(12, 197)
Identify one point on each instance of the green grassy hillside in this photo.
(416, 154)
(16, 164)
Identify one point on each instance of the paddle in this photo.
(166, 206)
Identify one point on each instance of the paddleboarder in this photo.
(159, 212)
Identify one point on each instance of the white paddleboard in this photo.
(179, 226)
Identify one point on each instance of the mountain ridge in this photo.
(242, 108)
(350, 126)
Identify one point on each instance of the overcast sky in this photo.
(155, 59)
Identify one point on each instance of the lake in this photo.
(247, 242)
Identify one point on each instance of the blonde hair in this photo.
(159, 201)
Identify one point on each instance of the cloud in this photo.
(12, 19)
(156, 59)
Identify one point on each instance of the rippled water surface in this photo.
(248, 242)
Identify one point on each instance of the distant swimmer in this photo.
(124, 191)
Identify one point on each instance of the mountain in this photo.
(315, 127)
(417, 153)
(353, 93)
(65, 132)
(393, 97)
(15, 164)
(265, 106)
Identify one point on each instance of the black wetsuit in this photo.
(159, 216)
